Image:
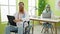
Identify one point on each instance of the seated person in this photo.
(20, 17)
(48, 14)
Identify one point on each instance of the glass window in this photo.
(8, 7)
(4, 2)
(31, 7)
(4, 13)
(12, 10)
(31, 10)
(12, 2)
(31, 2)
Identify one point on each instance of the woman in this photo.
(47, 14)
(20, 17)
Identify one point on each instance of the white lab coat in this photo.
(26, 18)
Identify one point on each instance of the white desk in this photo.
(45, 20)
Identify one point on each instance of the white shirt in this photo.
(24, 17)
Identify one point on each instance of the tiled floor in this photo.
(38, 28)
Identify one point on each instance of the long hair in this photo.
(22, 10)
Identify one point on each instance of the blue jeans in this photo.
(13, 28)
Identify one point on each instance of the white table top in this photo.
(46, 20)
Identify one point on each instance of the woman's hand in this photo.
(17, 20)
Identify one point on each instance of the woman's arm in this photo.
(17, 20)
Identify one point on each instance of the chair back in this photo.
(10, 20)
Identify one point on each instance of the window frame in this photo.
(8, 9)
(32, 7)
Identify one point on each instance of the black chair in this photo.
(27, 29)
(11, 22)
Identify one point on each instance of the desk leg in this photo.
(55, 28)
(33, 28)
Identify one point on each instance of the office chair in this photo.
(11, 22)
(49, 26)
(27, 29)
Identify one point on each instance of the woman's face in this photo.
(21, 6)
(48, 8)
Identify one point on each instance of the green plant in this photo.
(41, 5)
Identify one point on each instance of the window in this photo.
(7, 7)
(3, 2)
(31, 7)
(12, 10)
(4, 12)
(12, 2)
